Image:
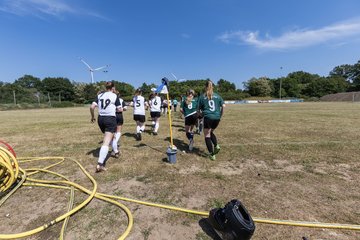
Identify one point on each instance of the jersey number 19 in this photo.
(107, 102)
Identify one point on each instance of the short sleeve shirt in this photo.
(191, 108)
(155, 104)
(107, 102)
(211, 108)
(139, 105)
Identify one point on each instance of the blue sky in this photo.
(145, 40)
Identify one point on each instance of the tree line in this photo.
(30, 89)
(33, 90)
(300, 84)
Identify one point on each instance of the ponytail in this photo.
(209, 89)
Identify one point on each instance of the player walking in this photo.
(139, 105)
(108, 103)
(188, 108)
(155, 111)
(212, 106)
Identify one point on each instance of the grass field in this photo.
(297, 161)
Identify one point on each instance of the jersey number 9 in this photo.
(212, 105)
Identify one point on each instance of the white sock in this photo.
(142, 128)
(156, 126)
(103, 153)
(115, 142)
(137, 129)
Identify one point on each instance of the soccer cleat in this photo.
(217, 149)
(212, 157)
(191, 144)
(100, 168)
(155, 133)
(115, 155)
(138, 136)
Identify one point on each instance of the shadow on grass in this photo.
(132, 135)
(208, 229)
(95, 154)
(183, 146)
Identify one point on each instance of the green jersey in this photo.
(211, 108)
(191, 108)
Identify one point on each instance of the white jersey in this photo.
(155, 104)
(122, 104)
(107, 102)
(139, 104)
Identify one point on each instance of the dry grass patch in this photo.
(289, 161)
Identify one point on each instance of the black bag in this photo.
(233, 221)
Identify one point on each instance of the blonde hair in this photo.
(189, 96)
(209, 89)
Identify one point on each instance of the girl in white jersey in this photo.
(155, 111)
(108, 103)
(139, 105)
(119, 122)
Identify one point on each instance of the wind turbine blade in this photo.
(86, 63)
(174, 76)
(99, 68)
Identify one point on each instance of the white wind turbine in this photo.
(182, 79)
(93, 69)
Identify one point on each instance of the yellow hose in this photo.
(10, 177)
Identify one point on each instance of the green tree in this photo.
(58, 87)
(28, 81)
(126, 90)
(226, 86)
(258, 87)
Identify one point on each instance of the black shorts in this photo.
(211, 123)
(107, 124)
(155, 114)
(119, 119)
(140, 118)
(191, 120)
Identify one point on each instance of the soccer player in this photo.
(212, 106)
(155, 111)
(108, 103)
(119, 122)
(188, 108)
(139, 105)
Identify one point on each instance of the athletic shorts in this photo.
(107, 124)
(211, 123)
(119, 119)
(155, 114)
(191, 120)
(140, 118)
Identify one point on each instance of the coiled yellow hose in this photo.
(10, 178)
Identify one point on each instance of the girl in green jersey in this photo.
(212, 106)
